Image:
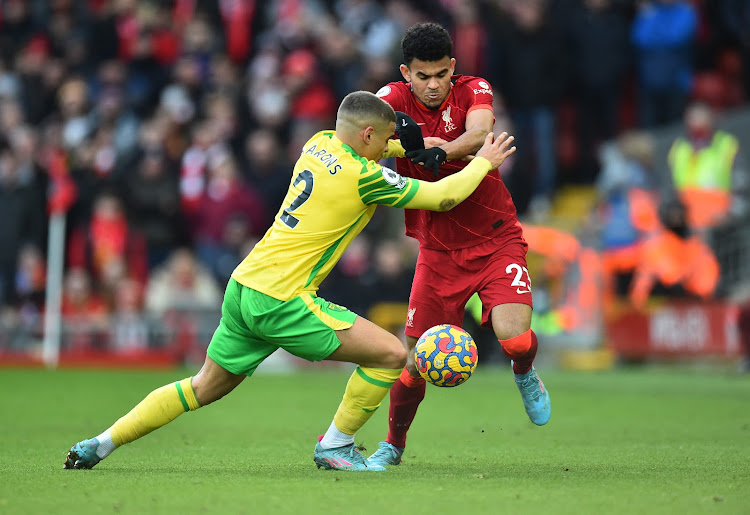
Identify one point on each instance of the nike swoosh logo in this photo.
(420, 123)
(403, 123)
(519, 290)
(368, 410)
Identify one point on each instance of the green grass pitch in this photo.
(637, 441)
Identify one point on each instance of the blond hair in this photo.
(361, 109)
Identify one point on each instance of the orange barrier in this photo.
(670, 260)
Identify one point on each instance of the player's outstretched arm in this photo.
(479, 123)
(454, 189)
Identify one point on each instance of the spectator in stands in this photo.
(29, 160)
(673, 261)
(22, 211)
(40, 77)
(390, 278)
(220, 113)
(85, 313)
(108, 247)
(151, 194)
(11, 114)
(528, 66)
(130, 331)
(708, 172)
(265, 167)
(735, 15)
(600, 57)
(17, 28)
(229, 212)
(28, 294)
(503, 122)
(30, 278)
(75, 107)
(663, 34)
(104, 156)
(163, 24)
(312, 104)
(268, 101)
(182, 284)
(627, 205)
(112, 112)
(175, 114)
(346, 279)
(339, 57)
(224, 79)
(469, 36)
(237, 18)
(85, 173)
(204, 145)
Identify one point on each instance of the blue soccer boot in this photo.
(346, 458)
(387, 454)
(535, 396)
(83, 455)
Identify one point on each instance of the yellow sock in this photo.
(364, 393)
(160, 407)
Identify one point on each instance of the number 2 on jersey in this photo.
(518, 281)
(286, 217)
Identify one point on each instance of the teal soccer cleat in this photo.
(387, 454)
(343, 458)
(535, 396)
(83, 455)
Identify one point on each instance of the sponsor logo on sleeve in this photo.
(485, 88)
(393, 178)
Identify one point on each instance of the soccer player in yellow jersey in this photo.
(271, 301)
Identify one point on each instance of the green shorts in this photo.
(253, 325)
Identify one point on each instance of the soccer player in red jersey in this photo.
(477, 246)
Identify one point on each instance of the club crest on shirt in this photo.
(393, 178)
(449, 125)
(410, 317)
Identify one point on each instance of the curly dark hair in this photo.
(426, 42)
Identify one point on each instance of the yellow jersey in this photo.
(332, 196)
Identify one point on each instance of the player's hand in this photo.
(496, 150)
(408, 132)
(430, 158)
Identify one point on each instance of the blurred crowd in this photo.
(166, 130)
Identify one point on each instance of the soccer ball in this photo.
(446, 355)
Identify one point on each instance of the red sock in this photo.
(406, 394)
(522, 350)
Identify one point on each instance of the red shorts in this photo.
(444, 280)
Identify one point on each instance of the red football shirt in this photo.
(489, 212)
